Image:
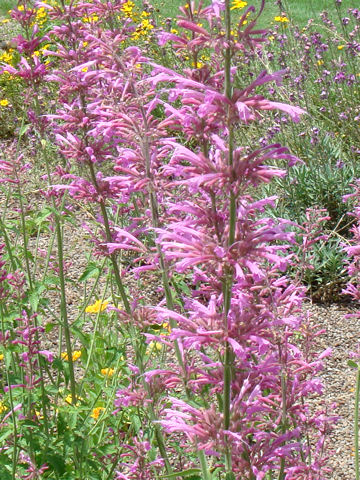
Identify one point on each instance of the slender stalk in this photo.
(204, 466)
(64, 324)
(24, 235)
(114, 263)
(356, 425)
(63, 310)
(158, 433)
(8, 245)
(228, 281)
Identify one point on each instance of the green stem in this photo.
(8, 245)
(63, 310)
(356, 425)
(115, 265)
(64, 323)
(228, 281)
(204, 466)
(25, 237)
(153, 418)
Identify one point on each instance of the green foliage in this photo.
(323, 185)
(7, 5)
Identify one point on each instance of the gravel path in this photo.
(342, 336)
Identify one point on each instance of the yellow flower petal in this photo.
(97, 307)
(96, 412)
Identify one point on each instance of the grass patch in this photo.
(298, 11)
(5, 6)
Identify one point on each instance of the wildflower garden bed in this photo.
(179, 241)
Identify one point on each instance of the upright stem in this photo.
(228, 281)
(115, 265)
(158, 433)
(63, 308)
(63, 304)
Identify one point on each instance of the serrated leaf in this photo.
(43, 215)
(48, 327)
(35, 297)
(24, 129)
(51, 280)
(92, 270)
(352, 364)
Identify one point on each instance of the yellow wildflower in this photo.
(6, 58)
(281, 19)
(68, 399)
(97, 307)
(238, 5)
(96, 412)
(127, 8)
(6, 20)
(21, 8)
(76, 354)
(91, 19)
(198, 64)
(4, 102)
(153, 347)
(320, 62)
(3, 408)
(107, 372)
(1, 356)
(340, 47)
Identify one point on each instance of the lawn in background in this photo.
(5, 6)
(299, 11)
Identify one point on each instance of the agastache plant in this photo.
(249, 311)
(190, 212)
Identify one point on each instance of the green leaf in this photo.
(43, 215)
(56, 461)
(352, 364)
(24, 129)
(230, 476)
(184, 473)
(36, 296)
(51, 280)
(92, 270)
(49, 326)
(4, 473)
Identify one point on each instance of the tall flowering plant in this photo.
(181, 197)
(238, 327)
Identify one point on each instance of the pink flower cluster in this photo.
(156, 152)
